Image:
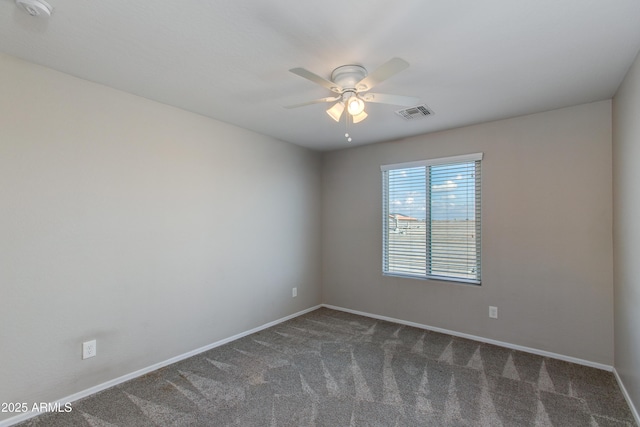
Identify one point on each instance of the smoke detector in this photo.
(37, 8)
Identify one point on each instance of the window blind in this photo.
(432, 219)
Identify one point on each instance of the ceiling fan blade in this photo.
(383, 72)
(383, 98)
(315, 101)
(316, 79)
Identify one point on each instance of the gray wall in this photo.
(547, 233)
(626, 230)
(154, 230)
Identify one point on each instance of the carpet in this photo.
(330, 368)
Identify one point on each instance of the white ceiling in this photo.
(471, 61)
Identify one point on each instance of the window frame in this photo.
(466, 158)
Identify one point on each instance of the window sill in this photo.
(436, 278)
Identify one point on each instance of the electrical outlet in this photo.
(294, 292)
(493, 312)
(88, 349)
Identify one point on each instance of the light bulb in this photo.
(349, 139)
(346, 135)
(355, 106)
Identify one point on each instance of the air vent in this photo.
(413, 113)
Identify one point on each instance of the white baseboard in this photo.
(95, 389)
(477, 338)
(634, 411)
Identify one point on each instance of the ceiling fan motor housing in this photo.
(347, 76)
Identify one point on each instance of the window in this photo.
(431, 219)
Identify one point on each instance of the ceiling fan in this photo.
(352, 83)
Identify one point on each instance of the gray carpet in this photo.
(329, 368)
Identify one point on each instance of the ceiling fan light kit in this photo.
(359, 117)
(336, 111)
(355, 105)
(351, 82)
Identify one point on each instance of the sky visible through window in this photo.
(452, 192)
